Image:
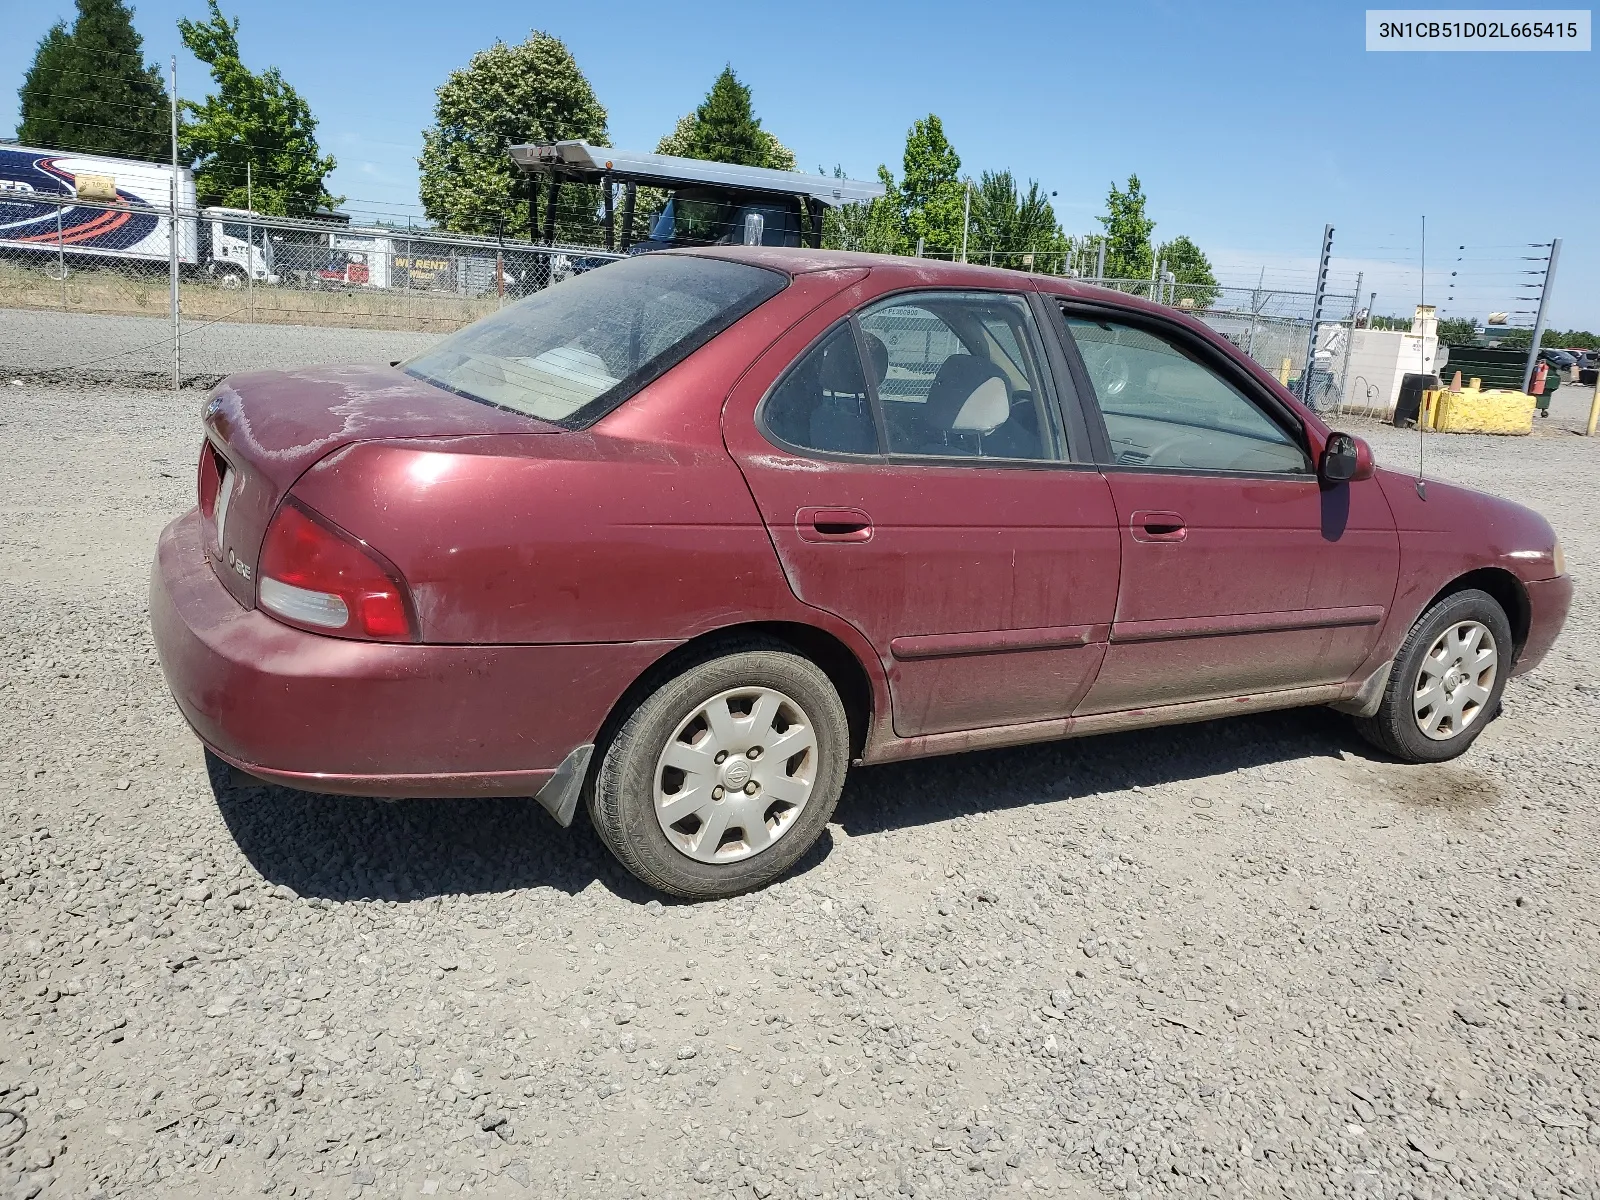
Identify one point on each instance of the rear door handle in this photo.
(1148, 525)
(833, 525)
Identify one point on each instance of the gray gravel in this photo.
(1247, 958)
(56, 342)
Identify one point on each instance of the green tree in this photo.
(874, 227)
(254, 120)
(1008, 225)
(90, 90)
(1555, 339)
(506, 95)
(1196, 282)
(1127, 233)
(681, 142)
(1458, 331)
(932, 195)
(726, 129)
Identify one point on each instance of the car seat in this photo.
(969, 411)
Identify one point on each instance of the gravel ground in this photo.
(33, 341)
(1248, 958)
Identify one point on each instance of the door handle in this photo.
(1148, 525)
(833, 525)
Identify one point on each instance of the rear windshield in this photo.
(573, 352)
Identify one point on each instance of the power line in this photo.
(153, 106)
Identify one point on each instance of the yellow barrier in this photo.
(1474, 411)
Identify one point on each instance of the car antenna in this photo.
(1422, 347)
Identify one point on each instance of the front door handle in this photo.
(1148, 525)
(833, 525)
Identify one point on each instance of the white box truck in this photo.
(64, 204)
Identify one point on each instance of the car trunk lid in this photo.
(266, 429)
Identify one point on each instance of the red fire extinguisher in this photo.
(1539, 373)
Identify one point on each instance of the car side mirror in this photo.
(1346, 459)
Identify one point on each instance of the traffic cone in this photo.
(1455, 382)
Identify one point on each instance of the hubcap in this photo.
(735, 775)
(1455, 679)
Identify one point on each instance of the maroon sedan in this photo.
(686, 536)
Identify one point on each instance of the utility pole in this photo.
(172, 235)
(1100, 262)
(1538, 321)
(1316, 312)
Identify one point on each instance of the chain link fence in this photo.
(82, 256)
(78, 256)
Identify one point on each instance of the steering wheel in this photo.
(1108, 369)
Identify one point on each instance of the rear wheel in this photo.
(1447, 680)
(725, 775)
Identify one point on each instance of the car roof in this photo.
(918, 272)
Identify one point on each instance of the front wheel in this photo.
(725, 775)
(1446, 682)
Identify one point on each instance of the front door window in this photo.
(1164, 409)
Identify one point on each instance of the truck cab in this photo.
(701, 216)
(240, 249)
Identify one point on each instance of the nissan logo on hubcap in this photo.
(737, 773)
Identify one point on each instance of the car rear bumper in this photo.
(1548, 602)
(367, 718)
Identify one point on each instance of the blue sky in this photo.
(1251, 126)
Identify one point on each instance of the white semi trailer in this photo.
(84, 208)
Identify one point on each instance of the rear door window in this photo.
(962, 376)
(822, 402)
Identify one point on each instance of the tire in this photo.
(757, 693)
(1450, 636)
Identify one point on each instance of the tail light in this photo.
(314, 575)
(210, 478)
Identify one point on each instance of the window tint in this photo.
(960, 375)
(823, 403)
(1163, 409)
(573, 352)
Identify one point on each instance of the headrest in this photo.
(969, 395)
(841, 366)
(879, 354)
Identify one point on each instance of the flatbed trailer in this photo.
(709, 203)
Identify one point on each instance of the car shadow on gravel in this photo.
(936, 789)
(344, 848)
